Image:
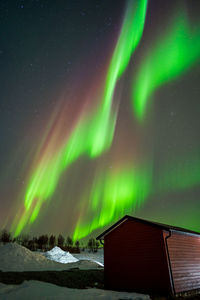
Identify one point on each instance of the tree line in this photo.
(45, 242)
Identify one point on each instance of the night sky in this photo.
(73, 159)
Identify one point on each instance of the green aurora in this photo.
(113, 195)
(119, 192)
(125, 188)
(174, 53)
(92, 135)
(182, 174)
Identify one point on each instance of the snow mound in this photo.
(16, 258)
(57, 254)
(86, 264)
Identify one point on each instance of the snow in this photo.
(34, 290)
(14, 257)
(57, 254)
(97, 257)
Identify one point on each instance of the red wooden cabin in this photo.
(149, 257)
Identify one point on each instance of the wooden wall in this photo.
(135, 259)
(184, 251)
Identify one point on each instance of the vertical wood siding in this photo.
(135, 259)
(184, 251)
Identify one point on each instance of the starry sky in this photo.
(68, 164)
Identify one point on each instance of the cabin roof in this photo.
(160, 225)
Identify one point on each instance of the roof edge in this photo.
(160, 225)
(99, 237)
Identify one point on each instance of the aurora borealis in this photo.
(105, 107)
(172, 56)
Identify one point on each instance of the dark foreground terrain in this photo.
(74, 278)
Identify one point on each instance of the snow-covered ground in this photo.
(57, 254)
(96, 256)
(14, 257)
(37, 290)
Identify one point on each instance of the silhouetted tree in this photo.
(52, 241)
(31, 245)
(43, 241)
(5, 236)
(96, 246)
(24, 240)
(60, 241)
(46, 241)
(35, 242)
(77, 244)
(82, 246)
(91, 244)
(40, 241)
(69, 242)
(18, 239)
